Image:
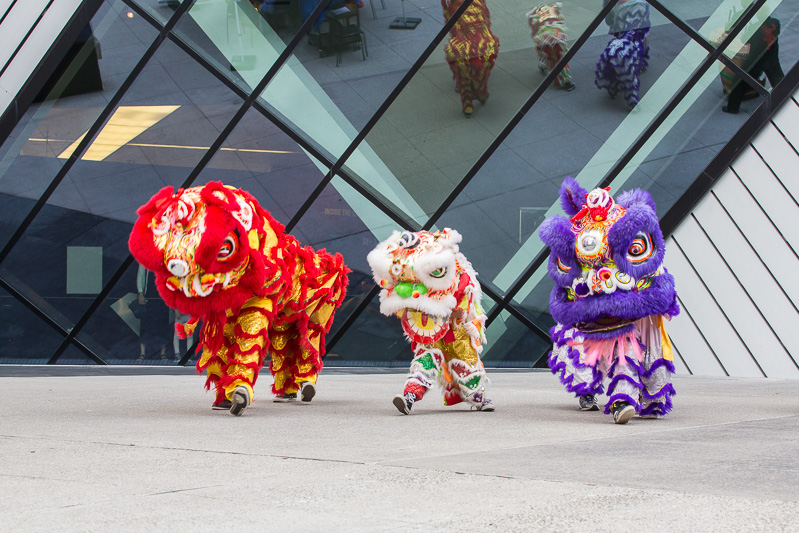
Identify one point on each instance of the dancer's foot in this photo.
(404, 404)
(307, 391)
(487, 406)
(569, 86)
(467, 111)
(219, 405)
(622, 412)
(240, 400)
(289, 397)
(588, 403)
(726, 109)
(484, 99)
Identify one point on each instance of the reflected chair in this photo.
(372, 5)
(346, 32)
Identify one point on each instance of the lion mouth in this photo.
(197, 285)
(423, 328)
(605, 323)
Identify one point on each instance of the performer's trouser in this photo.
(646, 385)
(462, 381)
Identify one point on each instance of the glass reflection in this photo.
(341, 220)
(24, 338)
(67, 107)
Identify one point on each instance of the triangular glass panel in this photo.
(24, 337)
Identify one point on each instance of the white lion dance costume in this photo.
(432, 288)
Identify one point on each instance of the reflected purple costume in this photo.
(627, 54)
(610, 297)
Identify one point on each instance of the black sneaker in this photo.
(224, 404)
(307, 391)
(588, 403)
(240, 400)
(622, 412)
(404, 404)
(292, 397)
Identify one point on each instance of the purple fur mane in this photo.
(571, 302)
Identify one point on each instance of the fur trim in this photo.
(572, 196)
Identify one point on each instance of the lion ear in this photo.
(156, 203)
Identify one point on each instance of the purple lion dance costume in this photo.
(610, 297)
(627, 54)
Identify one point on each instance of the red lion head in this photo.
(207, 246)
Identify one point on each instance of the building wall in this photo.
(735, 259)
(342, 150)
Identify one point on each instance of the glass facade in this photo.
(346, 137)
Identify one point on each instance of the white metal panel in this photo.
(17, 24)
(779, 155)
(780, 314)
(679, 365)
(780, 207)
(4, 5)
(709, 319)
(787, 121)
(737, 308)
(35, 47)
(767, 241)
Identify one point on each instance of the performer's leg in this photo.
(566, 362)
(658, 367)
(466, 383)
(624, 389)
(425, 369)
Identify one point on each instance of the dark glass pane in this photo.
(161, 10)
(95, 67)
(259, 158)
(74, 356)
(425, 144)
(128, 330)
(235, 37)
(582, 133)
(24, 337)
(511, 344)
(330, 88)
(343, 221)
(709, 17)
(163, 126)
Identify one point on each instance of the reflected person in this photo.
(763, 58)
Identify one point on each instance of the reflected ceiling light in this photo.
(130, 14)
(127, 123)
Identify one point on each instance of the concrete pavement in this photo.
(146, 453)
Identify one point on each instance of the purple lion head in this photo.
(606, 261)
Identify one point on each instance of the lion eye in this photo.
(641, 248)
(439, 273)
(229, 247)
(563, 268)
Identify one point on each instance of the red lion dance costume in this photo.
(219, 256)
(471, 51)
